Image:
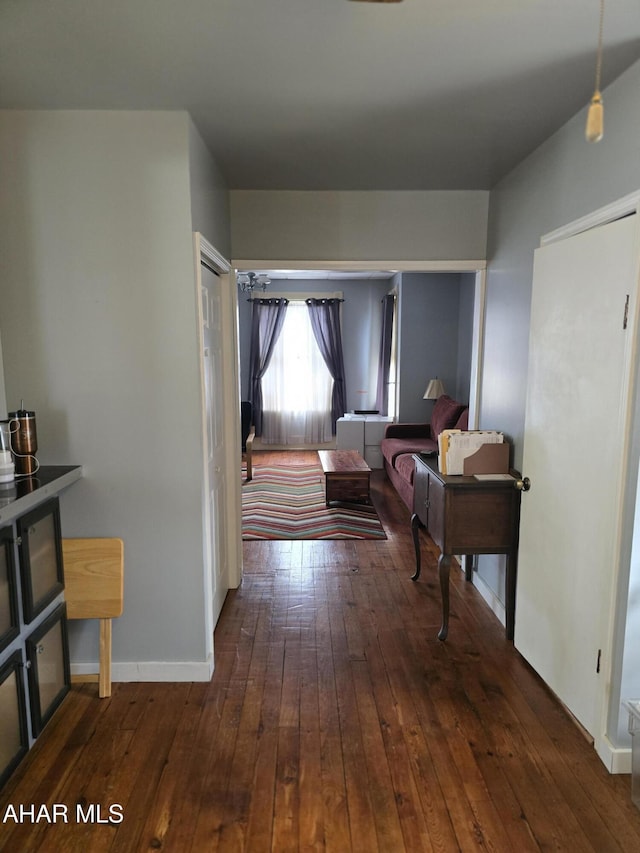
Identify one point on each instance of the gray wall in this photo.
(313, 225)
(209, 195)
(467, 288)
(98, 326)
(564, 179)
(428, 340)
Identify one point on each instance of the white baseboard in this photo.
(615, 759)
(152, 670)
(490, 597)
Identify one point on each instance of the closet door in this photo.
(578, 398)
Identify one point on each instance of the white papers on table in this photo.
(486, 477)
(455, 446)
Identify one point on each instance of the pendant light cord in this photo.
(599, 52)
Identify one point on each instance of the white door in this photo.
(215, 486)
(574, 452)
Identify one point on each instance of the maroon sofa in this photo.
(402, 440)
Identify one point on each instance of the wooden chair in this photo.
(94, 583)
(248, 434)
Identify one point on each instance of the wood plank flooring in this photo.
(335, 720)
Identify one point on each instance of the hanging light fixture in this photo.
(248, 282)
(595, 117)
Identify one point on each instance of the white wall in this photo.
(98, 330)
(566, 178)
(448, 225)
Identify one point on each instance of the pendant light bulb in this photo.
(594, 130)
(595, 119)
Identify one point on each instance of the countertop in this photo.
(27, 492)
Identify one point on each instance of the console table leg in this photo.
(468, 567)
(415, 530)
(444, 566)
(510, 604)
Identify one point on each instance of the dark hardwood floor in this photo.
(335, 720)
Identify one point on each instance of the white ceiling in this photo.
(327, 94)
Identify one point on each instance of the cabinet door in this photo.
(436, 525)
(421, 493)
(9, 622)
(49, 672)
(40, 547)
(14, 737)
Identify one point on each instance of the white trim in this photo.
(211, 255)
(620, 562)
(477, 347)
(361, 266)
(152, 670)
(609, 213)
(615, 759)
(204, 252)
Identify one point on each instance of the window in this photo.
(296, 388)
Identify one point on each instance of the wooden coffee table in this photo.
(347, 476)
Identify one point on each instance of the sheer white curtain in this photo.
(296, 388)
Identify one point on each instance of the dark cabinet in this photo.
(14, 737)
(466, 516)
(34, 649)
(48, 667)
(9, 619)
(40, 548)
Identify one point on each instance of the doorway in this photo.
(329, 272)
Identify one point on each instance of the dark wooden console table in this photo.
(464, 515)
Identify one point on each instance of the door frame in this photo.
(204, 251)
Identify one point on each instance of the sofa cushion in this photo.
(445, 415)
(405, 466)
(393, 447)
(463, 421)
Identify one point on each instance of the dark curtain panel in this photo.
(267, 318)
(325, 322)
(384, 360)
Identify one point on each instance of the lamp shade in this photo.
(435, 389)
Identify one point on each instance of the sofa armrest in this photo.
(408, 431)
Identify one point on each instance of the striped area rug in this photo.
(288, 502)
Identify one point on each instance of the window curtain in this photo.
(384, 360)
(267, 318)
(325, 322)
(296, 388)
